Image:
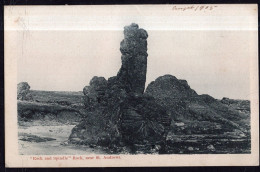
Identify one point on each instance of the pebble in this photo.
(190, 148)
(211, 147)
(179, 124)
(64, 143)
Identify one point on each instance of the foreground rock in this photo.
(200, 123)
(23, 91)
(143, 121)
(118, 112)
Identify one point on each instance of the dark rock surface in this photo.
(143, 121)
(132, 73)
(239, 105)
(95, 92)
(23, 91)
(206, 124)
(186, 106)
(169, 86)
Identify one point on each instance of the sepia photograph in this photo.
(115, 85)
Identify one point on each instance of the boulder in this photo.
(173, 94)
(169, 86)
(23, 91)
(95, 92)
(95, 130)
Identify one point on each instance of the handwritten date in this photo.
(194, 7)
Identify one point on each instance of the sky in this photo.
(212, 50)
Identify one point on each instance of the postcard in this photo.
(131, 85)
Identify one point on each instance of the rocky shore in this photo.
(120, 115)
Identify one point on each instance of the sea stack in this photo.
(133, 47)
(118, 111)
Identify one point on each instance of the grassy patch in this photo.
(57, 96)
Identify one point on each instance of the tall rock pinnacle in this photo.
(118, 111)
(133, 47)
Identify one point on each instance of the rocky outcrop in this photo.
(95, 92)
(240, 105)
(23, 91)
(172, 94)
(185, 105)
(118, 112)
(199, 120)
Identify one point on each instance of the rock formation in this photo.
(185, 105)
(23, 91)
(118, 112)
